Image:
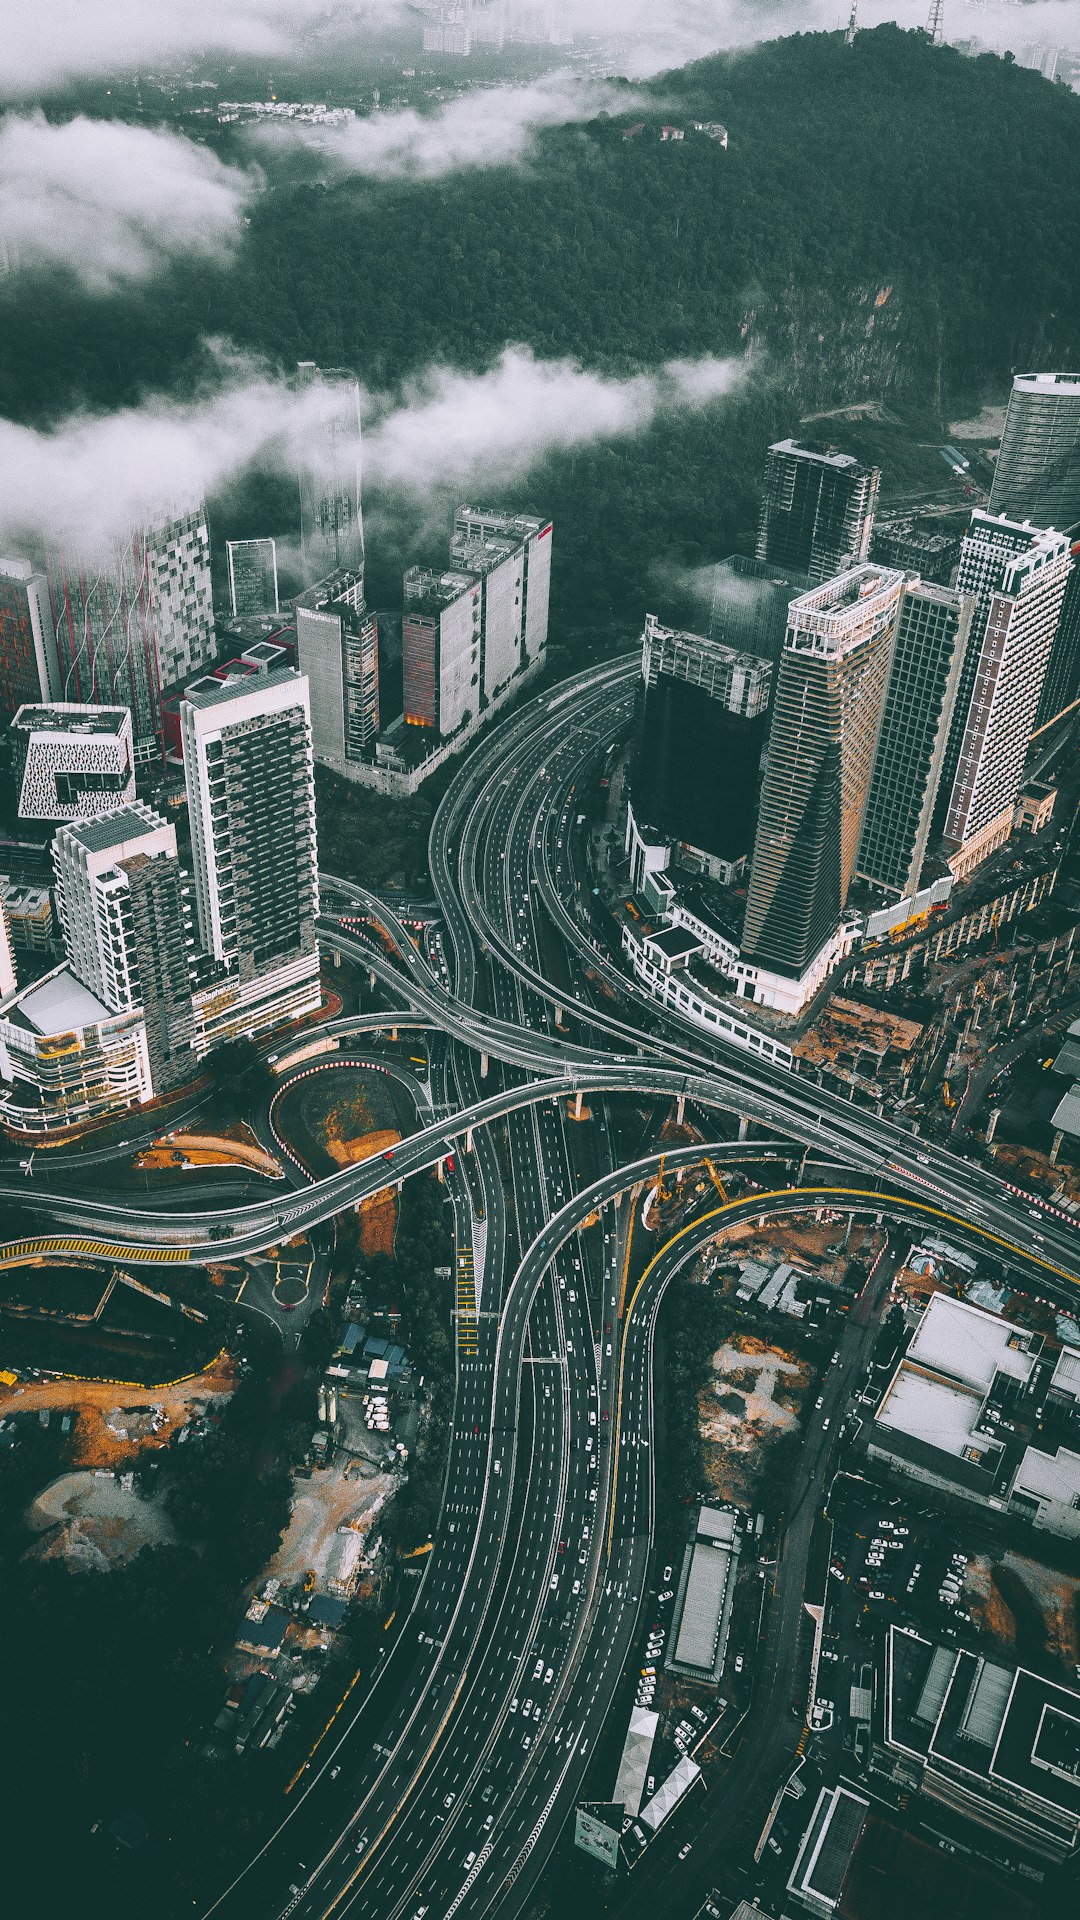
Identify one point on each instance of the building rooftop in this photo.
(57, 1004)
(706, 1592)
(1051, 383)
(209, 692)
(333, 586)
(1068, 1060)
(940, 1413)
(828, 1844)
(1050, 1476)
(670, 1793)
(428, 591)
(498, 518)
(633, 1772)
(114, 829)
(674, 942)
(1005, 1728)
(69, 718)
(716, 1523)
(1066, 1115)
(1067, 1373)
(481, 552)
(970, 1345)
(857, 587)
(824, 454)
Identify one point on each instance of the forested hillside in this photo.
(890, 221)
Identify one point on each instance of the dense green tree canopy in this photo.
(890, 221)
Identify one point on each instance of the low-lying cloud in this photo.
(454, 427)
(484, 128)
(87, 481)
(110, 202)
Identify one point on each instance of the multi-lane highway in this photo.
(447, 1781)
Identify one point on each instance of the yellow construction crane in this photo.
(950, 1100)
(417, 1553)
(717, 1182)
(663, 1194)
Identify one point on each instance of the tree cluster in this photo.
(889, 222)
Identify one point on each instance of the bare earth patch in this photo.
(101, 1438)
(91, 1521)
(742, 1410)
(320, 1507)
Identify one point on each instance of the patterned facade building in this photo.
(71, 762)
(138, 621)
(29, 670)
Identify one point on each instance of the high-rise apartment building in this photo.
(1037, 476)
(29, 670)
(124, 913)
(7, 957)
(698, 763)
(251, 801)
(1061, 687)
(71, 762)
(440, 644)
(111, 1026)
(137, 620)
(827, 707)
(750, 600)
(253, 581)
(817, 509)
(328, 475)
(475, 526)
(337, 647)
(928, 655)
(1017, 574)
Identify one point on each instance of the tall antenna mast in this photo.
(853, 24)
(935, 25)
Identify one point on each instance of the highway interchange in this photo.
(446, 1784)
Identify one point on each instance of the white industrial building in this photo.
(941, 1417)
(705, 1595)
(337, 648)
